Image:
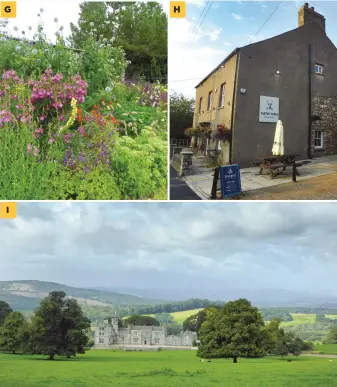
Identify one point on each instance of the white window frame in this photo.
(321, 138)
(219, 145)
(318, 69)
(222, 95)
(209, 101)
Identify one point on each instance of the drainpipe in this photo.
(309, 97)
(233, 103)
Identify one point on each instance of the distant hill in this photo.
(26, 295)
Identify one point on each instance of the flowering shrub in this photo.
(71, 128)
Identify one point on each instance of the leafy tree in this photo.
(5, 310)
(279, 342)
(11, 332)
(58, 327)
(193, 322)
(181, 114)
(174, 329)
(164, 318)
(332, 336)
(233, 331)
(140, 28)
(141, 320)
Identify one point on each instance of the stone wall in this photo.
(324, 111)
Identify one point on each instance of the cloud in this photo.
(237, 17)
(227, 245)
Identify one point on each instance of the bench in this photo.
(274, 168)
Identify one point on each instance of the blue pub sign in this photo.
(230, 180)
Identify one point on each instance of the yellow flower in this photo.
(73, 115)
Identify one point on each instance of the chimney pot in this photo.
(313, 8)
(306, 5)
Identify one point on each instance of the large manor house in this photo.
(107, 334)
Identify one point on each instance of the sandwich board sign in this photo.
(230, 180)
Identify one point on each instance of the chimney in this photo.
(308, 15)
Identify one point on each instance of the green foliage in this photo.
(332, 336)
(193, 323)
(12, 331)
(5, 310)
(181, 115)
(164, 318)
(140, 28)
(269, 314)
(58, 327)
(140, 165)
(174, 329)
(141, 321)
(233, 331)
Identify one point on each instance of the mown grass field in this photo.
(326, 348)
(300, 318)
(106, 368)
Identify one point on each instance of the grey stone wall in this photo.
(324, 111)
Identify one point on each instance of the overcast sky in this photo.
(166, 245)
(194, 52)
(67, 11)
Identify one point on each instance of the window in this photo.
(135, 340)
(219, 145)
(318, 139)
(157, 341)
(318, 69)
(101, 341)
(200, 105)
(209, 101)
(222, 95)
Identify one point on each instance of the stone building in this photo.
(107, 334)
(291, 77)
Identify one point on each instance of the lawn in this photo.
(326, 348)
(163, 369)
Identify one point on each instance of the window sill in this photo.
(221, 107)
(319, 74)
(318, 147)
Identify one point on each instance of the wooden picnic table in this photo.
(276, 163)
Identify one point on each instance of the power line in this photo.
(196, 26)
(209, 7)
(266, 20)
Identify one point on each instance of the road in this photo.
(179, 190)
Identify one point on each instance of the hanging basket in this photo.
(222, 133)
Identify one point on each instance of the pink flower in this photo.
(51, 140)
(38, 132)
(42, 118)
(29, 148)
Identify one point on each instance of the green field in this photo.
(326, 348)
(106, 368)
(300, 318)
(180, 317)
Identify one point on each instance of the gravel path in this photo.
(320, 355)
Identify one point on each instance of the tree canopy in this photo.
(5, 310)
(193, 322)
(181, 114)
(58, 327)
(139, 28)
(141, 320)
(12, 331)
(332, 336)
(233, 331)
